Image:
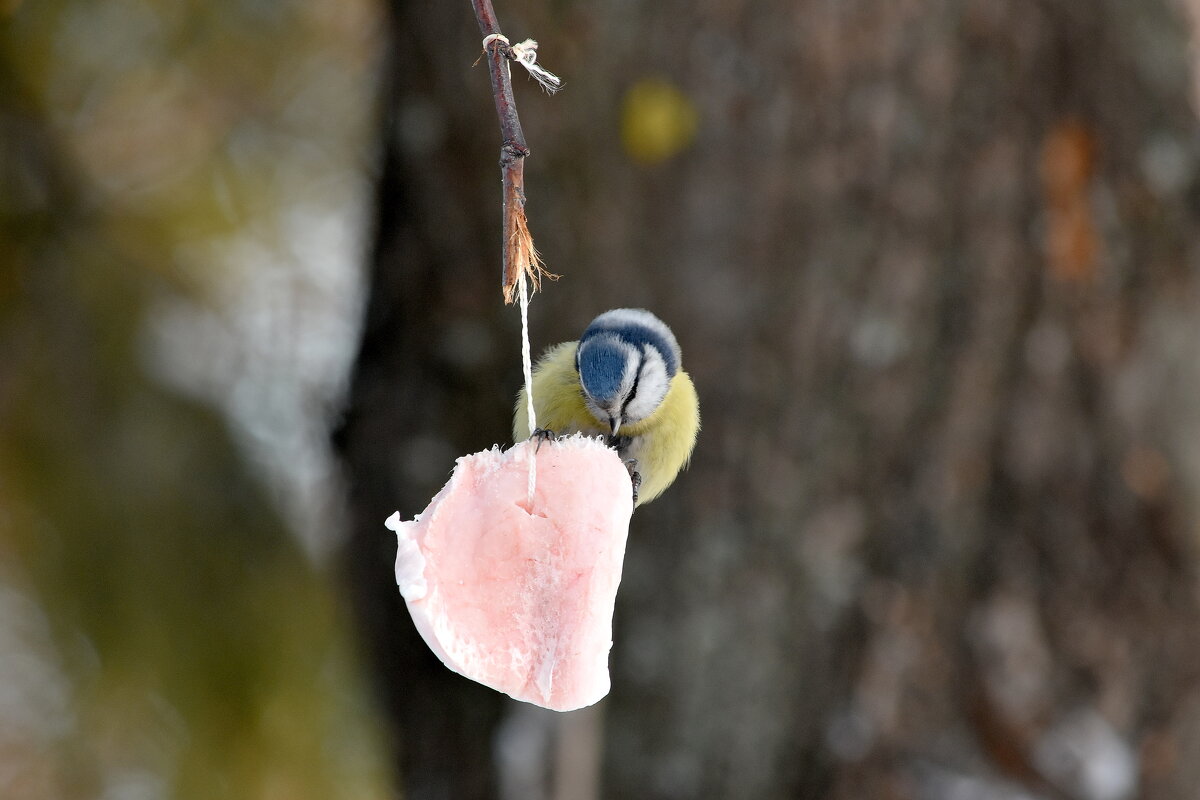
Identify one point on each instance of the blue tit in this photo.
(621, 380)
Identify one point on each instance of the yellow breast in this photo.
(662, 442)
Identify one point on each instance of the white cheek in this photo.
(652, 387)
(643, 405)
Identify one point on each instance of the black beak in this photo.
(615, 424)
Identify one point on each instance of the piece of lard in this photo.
(520, 597)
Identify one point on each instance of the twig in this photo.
(519, 255)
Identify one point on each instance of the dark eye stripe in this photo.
(632, 392)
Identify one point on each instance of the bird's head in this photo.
(626, 359)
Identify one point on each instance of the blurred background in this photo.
(935, 271)
(183, 195)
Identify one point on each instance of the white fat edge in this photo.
(410, 562)
(458, 653)
(544, 678)
(441, 638)
(584, 442)
(486, 461)
(596, 692)
(519, 452)
(580, 441)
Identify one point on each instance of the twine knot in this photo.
(525, 54)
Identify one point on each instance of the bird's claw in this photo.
(618, 443)
(543, 435)
(635, 477)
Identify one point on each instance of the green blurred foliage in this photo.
(162, 633)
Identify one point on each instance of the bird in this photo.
(622, 380)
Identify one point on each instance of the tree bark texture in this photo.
(933, 269)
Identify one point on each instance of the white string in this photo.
(525, 54)
(527, 365)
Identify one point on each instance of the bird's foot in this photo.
(635, 477)
(543, 435)
(618, 443)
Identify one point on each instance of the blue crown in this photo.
(637, 328)
(601, 363)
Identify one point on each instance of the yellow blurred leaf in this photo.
(657, 121)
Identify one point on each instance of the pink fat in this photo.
(518, 597)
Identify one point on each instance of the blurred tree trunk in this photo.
(933, 269)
